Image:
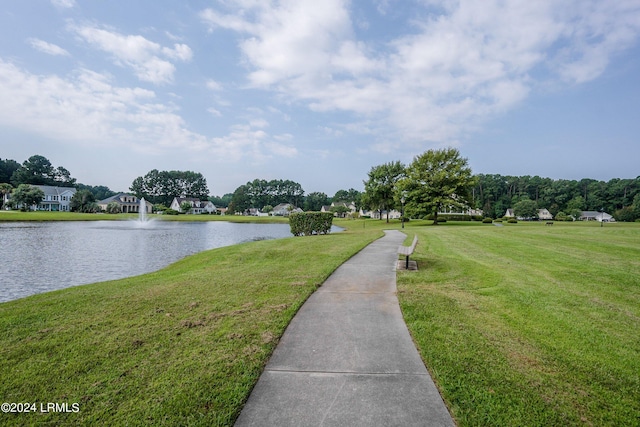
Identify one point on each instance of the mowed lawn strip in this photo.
(529, 325)
(181, 346)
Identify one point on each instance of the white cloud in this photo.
(88, 109)
(213, 85)
(67, 4)
(48, 48)
(457, 64)
(150, 61)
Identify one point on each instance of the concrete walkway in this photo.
(347, 358)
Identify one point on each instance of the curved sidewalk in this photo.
(347, 358)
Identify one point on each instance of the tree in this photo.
(4, 190)
(380, 189)
(525, 208)
(37, 170)
(349, 195)
(315, 201)
(437, 179)
(27, 196)
(576, 206)
(84, 201)
(259, 193)
(100, 192)
(162, 186)
(221, 201)
(340, 210)
(113, 208)
(185, 207)
(7, 168)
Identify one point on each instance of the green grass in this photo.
(181, 346)
(529, 325)
(519, 325)
(74, 216)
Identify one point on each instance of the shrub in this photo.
(487, 220)
(308, 223)
(171, 212)
(497, 220)
(113, 208)
(512, 221)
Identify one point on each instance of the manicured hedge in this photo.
(308, 223)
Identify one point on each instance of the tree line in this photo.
(264, 195)
(445, 181)
(494, 194)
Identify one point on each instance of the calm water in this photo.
(40, 257)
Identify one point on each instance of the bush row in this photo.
(308, 223)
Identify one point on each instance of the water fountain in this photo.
(142, 211)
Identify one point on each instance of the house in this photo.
(378, 214)
(461, 211)
(284, 209)
(596, 216)
(197, 206)
(350, 208)
(128, 203)
(55, 198)
(509, 214)
(544, 214)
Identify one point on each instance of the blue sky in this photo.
(320, 91)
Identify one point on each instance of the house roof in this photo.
(117, 198)
(594, 214)
(53, 190)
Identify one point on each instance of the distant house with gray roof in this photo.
(56, 199)
(128, 203)
(197, 206)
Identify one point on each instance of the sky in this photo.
(319, 92)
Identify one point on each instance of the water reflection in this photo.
(39, 257)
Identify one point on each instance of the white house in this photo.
(461, 211)
(509, 214)
(284, 209)
(596, 216)
(544, 214)
(128, 203)
(55, 198)
(197, 206)
(351, 208)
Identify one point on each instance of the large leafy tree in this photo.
(37, 170)
(99, 191)
(162, 186)
(260, 193)
(350, 195)
(526, 208)
(7, 168)
(437, 179)
(84, 201)
(315, 201)
(380, 190)
(27, 196)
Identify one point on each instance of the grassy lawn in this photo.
(519, 325)
(182, 346)
(529, 325)
(74, 216)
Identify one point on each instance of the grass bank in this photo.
(7, 216)
(181, 346)
(529, 325)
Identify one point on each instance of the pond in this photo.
(43, 256)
